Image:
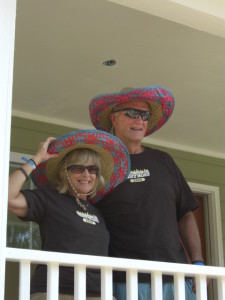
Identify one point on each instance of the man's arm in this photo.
(190, 237)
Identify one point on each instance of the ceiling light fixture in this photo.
(109, 63)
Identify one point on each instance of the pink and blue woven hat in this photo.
(159, 99)
(116, 161)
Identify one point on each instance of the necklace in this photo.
(84, 207)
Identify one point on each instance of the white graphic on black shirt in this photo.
(138, 175)
(87, 218)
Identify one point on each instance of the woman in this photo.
(71, 173)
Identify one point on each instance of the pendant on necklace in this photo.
(81, 205)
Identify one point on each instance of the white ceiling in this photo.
(60, 48)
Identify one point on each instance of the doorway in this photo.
(208, 219)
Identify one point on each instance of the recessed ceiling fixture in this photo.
(110, 63)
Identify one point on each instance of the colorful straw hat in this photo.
(159, 99)
(116, 161)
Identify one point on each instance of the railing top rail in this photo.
(67, 259)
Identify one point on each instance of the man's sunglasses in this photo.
(79, 169)
(134, 113)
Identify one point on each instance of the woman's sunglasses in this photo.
(134, 113)
(79, 169)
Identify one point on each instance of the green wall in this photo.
(27, 134)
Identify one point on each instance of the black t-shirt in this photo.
(142, 213)
(65, 227)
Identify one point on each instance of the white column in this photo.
(7, 36)
(201, 287)
(53, 281)
(80, 283)
(179, 287)
(24, 280)
(132, 285)
(221, 288)
(106, 284)
(156, 285)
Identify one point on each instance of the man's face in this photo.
(127, 128)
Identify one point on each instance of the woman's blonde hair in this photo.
(81, 156)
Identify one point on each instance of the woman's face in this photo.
(83, 178)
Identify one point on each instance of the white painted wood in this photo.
(201, 287)
(221, 288)
(156, 285)
(70, 259)
(132, 285)
(53, 281)
(216, 237)
(107, 264)
(24, 280)
(179, 287)
(106, 284)
(7, 37)
(150, 141)
(80, 282)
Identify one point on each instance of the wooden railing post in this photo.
(179, 286)
(156, 285)
(106, 284)
(132, 285)
(53, 281)
(24, 280)
(80, 282)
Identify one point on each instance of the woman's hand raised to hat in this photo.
(42, 151)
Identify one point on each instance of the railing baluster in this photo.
(201, 287)
(156, 285)
(132, 284)
(80, 282)
(221, 288)
(53, 281)
(179, 287)
(24, 280)
(107, 264)
(106, 284)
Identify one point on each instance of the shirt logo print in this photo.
(138, 175)
(87, 218)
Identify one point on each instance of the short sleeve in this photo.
(186, 201)
(37, 205)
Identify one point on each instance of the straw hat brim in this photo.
(159, 99)
(115, 159)
(107, 167)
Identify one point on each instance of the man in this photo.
(151, 211)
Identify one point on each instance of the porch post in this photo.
(7, 35)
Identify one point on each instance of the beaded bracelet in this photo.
(24, 172)
(198, 263)
(29, 161)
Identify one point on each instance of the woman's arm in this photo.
(17, 203)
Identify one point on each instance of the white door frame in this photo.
(214, 213)
(7, 38)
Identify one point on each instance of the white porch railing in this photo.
(107, 265)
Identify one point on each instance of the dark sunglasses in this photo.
(134, 113)
(78, 169)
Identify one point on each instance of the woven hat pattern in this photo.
(113, 151)
(160, 100)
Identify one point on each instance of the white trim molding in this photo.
(7, 38)
(213, 196)
(147, 140)
(15, 157)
